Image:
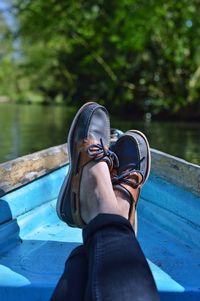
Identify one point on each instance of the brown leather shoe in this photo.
(133, 152)
(88, 139)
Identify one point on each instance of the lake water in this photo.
(25, 129)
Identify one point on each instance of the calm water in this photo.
(25, 129)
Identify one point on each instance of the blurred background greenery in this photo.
(139, 58)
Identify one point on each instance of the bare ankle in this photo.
(97, 195)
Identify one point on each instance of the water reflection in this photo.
(26, 129)
(178, 139)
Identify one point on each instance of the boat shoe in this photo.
(88, 139)
(133, 152)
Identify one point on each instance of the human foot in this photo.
(133, 153)
(96, 193)
(88, 141)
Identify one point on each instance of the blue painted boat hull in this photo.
(34, 243)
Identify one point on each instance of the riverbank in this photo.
(131, 110)
(5, 99)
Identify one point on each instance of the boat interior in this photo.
(34, 243)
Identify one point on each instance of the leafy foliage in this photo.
(136, 52)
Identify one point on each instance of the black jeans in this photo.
(109, 266)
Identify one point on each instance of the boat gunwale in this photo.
(23, 170)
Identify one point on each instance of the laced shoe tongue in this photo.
(130, 167)
(98, 152)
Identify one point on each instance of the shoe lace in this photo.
(129, 176)
(99, 153)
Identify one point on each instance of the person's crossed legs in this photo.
(110, 265)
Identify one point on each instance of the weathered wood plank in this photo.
(176, 170)
(16, 173)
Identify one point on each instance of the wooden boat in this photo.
(34, 243)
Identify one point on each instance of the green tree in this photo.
(7, 77)
(141, 53)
